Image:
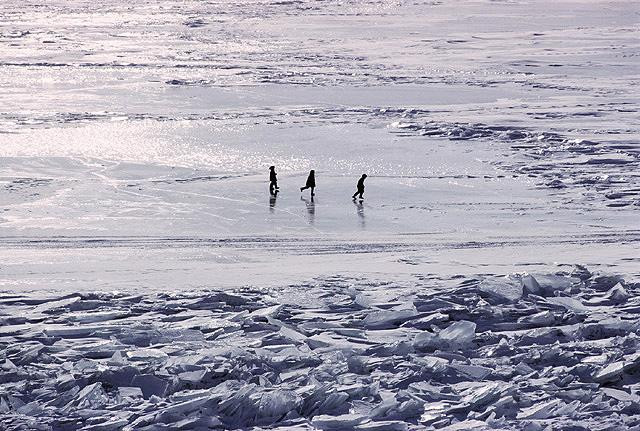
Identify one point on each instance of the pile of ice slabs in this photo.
(517, 352)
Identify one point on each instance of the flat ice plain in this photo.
(489, 280)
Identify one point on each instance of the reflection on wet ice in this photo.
(311, 208)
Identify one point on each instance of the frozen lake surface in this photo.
(149, 280)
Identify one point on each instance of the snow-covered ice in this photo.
(489, 280)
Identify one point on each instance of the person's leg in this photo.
(303, 188)
(312, 191)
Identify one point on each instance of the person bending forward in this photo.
(360, 187)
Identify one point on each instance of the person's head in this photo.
(271, 168)
(312, 172)
(364, 175)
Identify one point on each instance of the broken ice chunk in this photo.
(56, 303)
(341, 422)
(30, 409)
(8, 366)
(541, 410)
(502, 289)
(383, 426)
(428, 392)
(467, 425)
(189, 405)
(322, 399)
(85, 365)
(150, 385)
(427, 322)
(197, 423)
(615, 296)
(97, 316)
(551, 283)
(106, 424)
(570, 304)
(435, 411)
(54, 330)
(605, 282)
(459, 333)
(274, 405)
(542, 318)
(425, 340)
(267, 311)
(192, 377)
(609, 373)
(619, 395)
(475, 372)
(531, 285)
(64, 382)
(328, 341)
(618, 294)
(291, 334)
(117, 359)
(523, 369)
(91, 396)
(147, 355)
(130, 392)
(480, 394)
(386, 319)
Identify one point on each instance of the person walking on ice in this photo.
(273, 181)
(360, 187)
(311, 182)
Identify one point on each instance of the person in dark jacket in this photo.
(273, 181)
(311, 182)
(360, 187)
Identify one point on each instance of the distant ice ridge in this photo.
(524, 351)
(559, 161)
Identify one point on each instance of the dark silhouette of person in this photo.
(311, 182)
(273, 181)
(360, 187)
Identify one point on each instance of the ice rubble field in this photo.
(517, 352)
(148, 282)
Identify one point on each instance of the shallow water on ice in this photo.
(498, 137)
